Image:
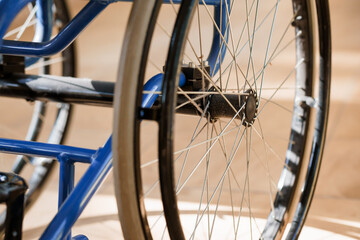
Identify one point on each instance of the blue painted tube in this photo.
(182, 80)
(80, 237)
(44, 22)
(38, 149)
(43, 27)
(66, 180)
(66, 183)
(61, 41)
(221, 20)
(154, 85)
(71, 209)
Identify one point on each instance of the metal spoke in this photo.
(207, 152)
(272, 150)
(282, 83)
(278, 104)
(251, 45)
(45, 63)
(225, 42)
(16, 30)
(267, 168)
(268, 45)
(27, 21)
(243, 46)
(219, 183)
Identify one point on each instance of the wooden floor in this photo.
(335, 211)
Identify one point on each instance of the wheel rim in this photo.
(299, 120)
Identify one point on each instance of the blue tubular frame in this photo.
(57, 44)
(72, 201)
(153, 86)
(75, 203)
(42, 46)
(43, 26)
(48, 150)
(221, 19)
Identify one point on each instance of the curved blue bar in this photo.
(80, 237)
(221, 19)
(44, 21)
(61, 41)
(43, 26)
(66, 183)
(72, 154)
(71, 209)
(155, 85)
(182, 80)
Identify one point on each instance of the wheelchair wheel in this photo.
(36, 121)
(233, 139)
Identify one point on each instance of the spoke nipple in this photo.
(296, 20)
(206, 63)
(213, 120)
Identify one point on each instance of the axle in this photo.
(219, 105)
(100, 93)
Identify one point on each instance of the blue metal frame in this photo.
(72, 201)
(60, 42)
(42, 46)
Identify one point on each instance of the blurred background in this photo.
(335, 211)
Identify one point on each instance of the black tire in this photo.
(128, 184)
(287, 175)
(36, 170)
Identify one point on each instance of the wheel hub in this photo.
(250, 110)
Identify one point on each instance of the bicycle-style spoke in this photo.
(44, 63)
(232, 54)
(207, 152)
(275, 53)
(27, 21)
(251, 45)
(271, 182)
(277, 104)
(240, 49)
(195, 135)
(188, 150)
(205, 184)
(233, 49)
(282, 83)
(218, 184)
(277, 155)
(268, 45)
(18, 29)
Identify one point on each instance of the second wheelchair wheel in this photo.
(36, 121)
(232, 127)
